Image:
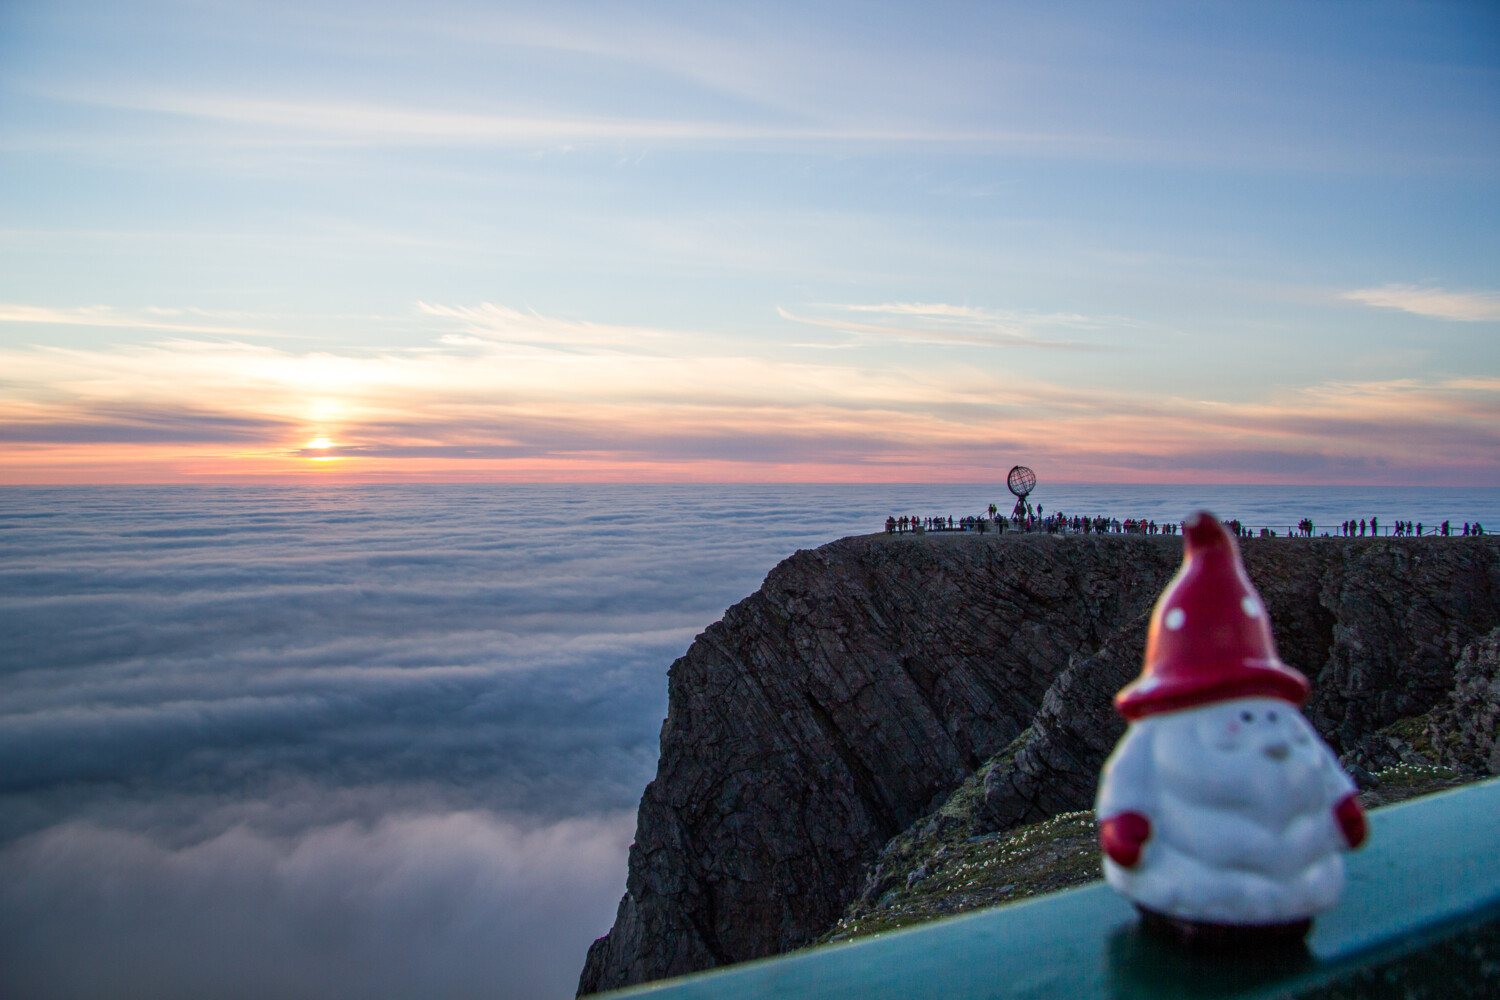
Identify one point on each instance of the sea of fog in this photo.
(387, 741)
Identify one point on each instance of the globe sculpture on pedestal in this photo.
(1021, 482)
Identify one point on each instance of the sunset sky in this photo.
(378, 241)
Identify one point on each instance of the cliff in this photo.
(867, 679)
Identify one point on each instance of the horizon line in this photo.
(306, 481)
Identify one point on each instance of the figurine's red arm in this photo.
(1123, 835)
(1351, 819)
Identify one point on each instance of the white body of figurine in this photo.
(1240, 798)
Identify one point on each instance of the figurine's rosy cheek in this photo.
(1227, 737)
(1220, 733)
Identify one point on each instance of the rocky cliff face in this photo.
(867, 679)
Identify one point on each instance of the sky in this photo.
(650, 242)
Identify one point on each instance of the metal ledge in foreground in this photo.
(1422, 909)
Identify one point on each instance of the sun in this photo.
(320, 443)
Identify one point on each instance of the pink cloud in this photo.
(552, 400)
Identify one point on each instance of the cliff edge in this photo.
(867, 679)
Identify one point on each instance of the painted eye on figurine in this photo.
(1248, 716)
(1270, 716)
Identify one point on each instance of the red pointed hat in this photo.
(1210, 639)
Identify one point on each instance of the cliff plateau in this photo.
(869, 678)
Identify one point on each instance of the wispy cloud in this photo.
(973, 314)
(1472, 306)
(948, 324)
(151, 318)
(488, 323)
(334, 122)
(123, 422)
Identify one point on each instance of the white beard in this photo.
(1240, 796)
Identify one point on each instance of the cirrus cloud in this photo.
(1439, 303)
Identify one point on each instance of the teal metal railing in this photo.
(1429, 874)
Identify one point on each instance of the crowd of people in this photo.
(1050, 523)
(993, 521)
(1406, 529)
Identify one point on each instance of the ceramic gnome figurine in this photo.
(1222, 814)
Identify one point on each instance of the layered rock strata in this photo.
(867, 679)
(1465, 730)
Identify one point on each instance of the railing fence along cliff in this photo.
(943, 525)
(1420, 917)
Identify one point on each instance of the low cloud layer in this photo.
(369, 742)
(462, 904)
(385, 741)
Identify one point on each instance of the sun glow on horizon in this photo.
(321, 443)
(709, 408)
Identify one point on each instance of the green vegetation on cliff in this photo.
(939, 868)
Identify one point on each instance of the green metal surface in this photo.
(1430, 869)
